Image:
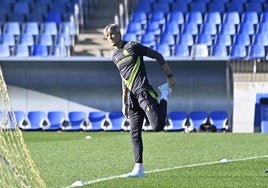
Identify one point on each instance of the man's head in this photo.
(113, 34)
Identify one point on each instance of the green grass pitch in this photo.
(171, 159)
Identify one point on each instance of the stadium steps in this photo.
(91, 41)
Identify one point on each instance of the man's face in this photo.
(114, 38)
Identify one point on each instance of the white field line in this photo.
(166, 169)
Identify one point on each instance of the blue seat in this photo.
(216, 7)
(16, 17)
(53, 17)
(40, 50)
(153, 27)
(213, 17)
(21, 50)
(37, 119)
(172, 28)
(262, 28)
(263, 17)
(134, 27)
(21, 118)
(4, 50)
(35, 17)
(148, 39)
(116, 121)
(164, 49)
(181, 50)
(161, 6)
(250, 17)
(254, 7)
(209, 28)
(57, 6)
(45, 39)
(31, 28)
(190, 28)
(140, 17)
(219, 119)
(235, 6)
(177, 120)
(264, 126)
(256, 51)
(176, 17)
(68, 28)
(194, 17)
(180, 6)
(158, 16)
(242, 39)
(186, 39)
(96, 121)
(11, 28)
(26, 39)
(261, 38)
(198, 6)
(219, 51)
(227, 28)
(55, 119)
(21, 7)
(40, 7)
(204, 38)
(77, 121)
(49, 28)
(3, 18)
(197, 118)
(129, 37)
(143, 7)
(246, 28)
(8, 39)
(64, 39)
(59, 50)
(223, 39)
(238, 52)
(5, 7)
(231, 17)
(167, 38)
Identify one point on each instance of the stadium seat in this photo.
(198, 6)
(35, 17)
(204, 38)
(26, 39)
(253, 7)
(129, 37)
(181, 6)
(176, 121)
(219, 119)
(246, 28)
(199, 50)
(4, 50)
(77, 120)
(5, 7)
(218, 50)
(181, 50)
(153, 27)
(167, 38)
(140, 17)
(164, 49)
(171, 28)
(186, 39)
(21, 7)
(209, 28)
(213, 17)
(161, 6)
(158, 16)
(21, 118)
(250, 17)
(235, 6)
(197, 118)
(40, 50)
(40, 7)
(134, 27)
(227, 28)
(262, 28)
(223, 39)
(68, 28)
(49, 28)
(3, 18)
(216, 7)
(242, 39)
(16, 17)
(260, 38)
(55, 119)
(143, 7)
(45, 39)
(238, 52)
(30, 28)
(148, 39)
(231, 18)
(116, 121)
(263, 17)
(264, 126)
(53, 17)
(190, 28)
(194, 17)
(256, 51)
(96, 121)
(59, 50)
(21, 50)
(57, 6)
(37, 119)
(8, 39)
(12, 28)
(176, 17)
(64, 39)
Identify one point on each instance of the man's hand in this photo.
(125, 110)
